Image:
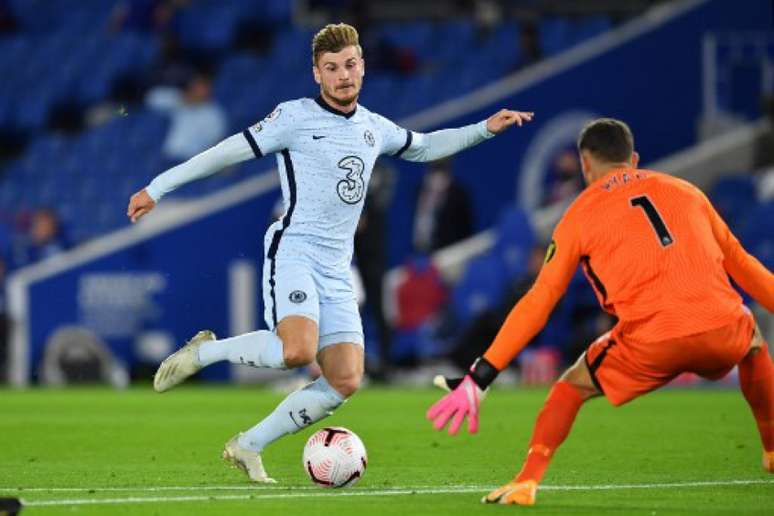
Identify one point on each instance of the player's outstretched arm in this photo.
(744, 268)
(465, 394)
(230, 151)
(524, 321)
(446, 142)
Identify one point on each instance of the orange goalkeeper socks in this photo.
(756, 378)
(551, 429)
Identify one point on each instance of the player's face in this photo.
(340, 76)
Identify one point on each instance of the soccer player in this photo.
(658, 257)
(326, 149)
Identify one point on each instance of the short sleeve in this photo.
(394, 138)
(273, 133)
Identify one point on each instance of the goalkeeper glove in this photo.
(465, 395)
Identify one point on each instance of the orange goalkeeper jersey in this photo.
(657, 254)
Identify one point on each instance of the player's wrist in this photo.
(483, 373)
(483, 130)
(154, 193)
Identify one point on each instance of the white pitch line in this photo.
(258, 488)
(609, 487)
(141, 489)
(377, 492)
(319, 494)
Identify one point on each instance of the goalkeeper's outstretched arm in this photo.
(744, 268)
(525, 320)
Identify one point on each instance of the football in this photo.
(335, 457)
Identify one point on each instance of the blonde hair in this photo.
(334, 38)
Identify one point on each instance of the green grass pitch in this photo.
(95, 451)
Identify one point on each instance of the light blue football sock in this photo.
(296, 412)
(257, 349)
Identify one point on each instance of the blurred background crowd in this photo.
(100, 96)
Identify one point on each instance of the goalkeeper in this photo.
(658, 257)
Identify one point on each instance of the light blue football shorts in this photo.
(296, 288)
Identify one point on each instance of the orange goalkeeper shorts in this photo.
(624, 370)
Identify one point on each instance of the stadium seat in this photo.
(555, 35)
(89, 60)
(591, 26)
(733, 197)
(481, 287)
(514, 241)
(757, 236)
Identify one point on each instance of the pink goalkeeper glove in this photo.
(464, 399)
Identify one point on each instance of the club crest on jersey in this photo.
(368, 136)
(297, 296)
(550, 252)
(352, 187)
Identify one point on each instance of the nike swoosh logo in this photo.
(315, 137)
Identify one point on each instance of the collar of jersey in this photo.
(614, 171)
(328, 107)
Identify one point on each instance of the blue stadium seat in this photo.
(292, 48)
(481, 287)
(379, 91)
(733, 196)
(208, 26)
(591, 26)
(33, 108)
(559, 34)
(756, 234)
(276, 11)
(503, 47)
(126, 152)
(417, 36)
(10, 186)
(555, 35)
(413, 93)
(449, 38)
(244, 89)
(514, 241)
(144, 130)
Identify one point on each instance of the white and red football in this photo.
(335, 457)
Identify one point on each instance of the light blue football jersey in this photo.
(325, 159)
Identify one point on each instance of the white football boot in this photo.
(182, 363)
(246, 460)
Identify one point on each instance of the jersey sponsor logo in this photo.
(352, 187)
(550, 252)
(273, 115)
(368, 136)
(297, 296)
